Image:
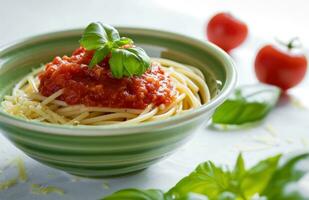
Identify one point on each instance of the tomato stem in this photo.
(291, 44)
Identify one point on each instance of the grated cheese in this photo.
(75, 179)
(297, 103)
(270, 129)
(289, 141)
(105, 185)
(304, 141)
(44, 190)
(22, 174)
(7, 184)
(266, 140)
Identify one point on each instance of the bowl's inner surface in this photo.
(20, 59)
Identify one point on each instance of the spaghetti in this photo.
(27, 102)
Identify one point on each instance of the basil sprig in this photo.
(270, 179)
(105, 40)
(137, 194)
(249, 103)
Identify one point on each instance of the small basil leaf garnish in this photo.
(94, 37)
(111, 32)
(132, 63)
(123, 41)
(116, 63)
(128, 62)
(125, 60)
(99, 55)
(145, 60)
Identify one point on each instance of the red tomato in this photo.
(226, 31)
(284, 69)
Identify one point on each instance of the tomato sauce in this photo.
(97, 87)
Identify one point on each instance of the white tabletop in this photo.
(285, 130)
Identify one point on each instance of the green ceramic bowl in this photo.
(111, 150)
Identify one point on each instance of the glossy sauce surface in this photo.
(97, 87)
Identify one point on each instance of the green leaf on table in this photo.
(217, 183)
(284, 176)
(240, 168)
(135, 194)
(190, 196)
(267, 180)
(227, 196)
(207, 179)
(248, 104)
(256, 178)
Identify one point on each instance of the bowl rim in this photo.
(112, 130)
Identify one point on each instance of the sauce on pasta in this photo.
(97, 87)
(108, 80)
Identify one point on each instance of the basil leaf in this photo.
(191, 196)
(123, 41)
(207, 179)
(116, 63)
(256, 178)
(134, 194)
(264, 181)
(286, 174)
(99, 55)
(104, 39)
(132, 64)
(216, 183)
(94, 37)
(97, 34)
(227, 196)
(128, 62)
(111, 32)
(239, 169)
(249, 104)
(145, 60)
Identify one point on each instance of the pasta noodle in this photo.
(27, 102)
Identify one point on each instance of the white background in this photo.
(266, 19)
